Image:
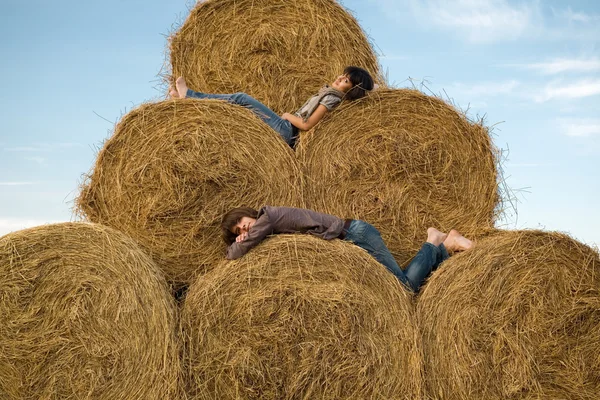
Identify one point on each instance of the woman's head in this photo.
(231, 220)
(355, 82)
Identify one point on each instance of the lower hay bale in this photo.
(84, 314)
(172, 169)
(299, 317)
(403, 161)
(517, 317)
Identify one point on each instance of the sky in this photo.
(532, 68)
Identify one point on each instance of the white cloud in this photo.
(485, 88)
(38, 160)
(582, 127)
(477, 20)
(563, 65)
(557, 90)
(392, 57)
(17, 183)
(43, 147)
(8, 225)
(527, 165)
(574, 16)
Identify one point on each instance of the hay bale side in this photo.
(299, 317)
(172, 169)
(84, 313)
(279, 52)
(517, 317)
(403, 161)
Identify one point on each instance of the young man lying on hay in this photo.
(244, 227)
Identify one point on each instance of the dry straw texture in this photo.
(172, 169)
(402, 161)
(299, 317)
(84, 314)
(278, 51)
(517, 317)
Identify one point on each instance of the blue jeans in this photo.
(427, 259)
(279, 125)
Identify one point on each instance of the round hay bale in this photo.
(299, 317)
(279, 52)
(517, 317)
(84, 314)
(172, 169)
(403, 161)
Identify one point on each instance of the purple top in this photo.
(273, 220)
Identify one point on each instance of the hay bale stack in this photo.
(84, 313)
(517, 317)
(278, 51)
(299, 317)
(402, 161)
(172, 169)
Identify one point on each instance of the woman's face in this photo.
(243, 226)
(342, 83)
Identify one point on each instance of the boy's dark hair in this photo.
(362, 82)
(232, 218)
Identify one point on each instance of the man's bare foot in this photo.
(173, 93)
(181, 87)
(435, 237)
(457, 242)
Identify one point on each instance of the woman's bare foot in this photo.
(457, 242)
(435, 237)
(181, 87)
(173, 93)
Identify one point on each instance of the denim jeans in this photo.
(427, 259)
(279, 125)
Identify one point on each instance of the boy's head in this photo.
(237, 221)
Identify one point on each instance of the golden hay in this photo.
(84, 314)
(172, 169)
(278, 51)
(299, 317)
(402, 161)
(517, 317)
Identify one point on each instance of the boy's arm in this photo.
(260, 230)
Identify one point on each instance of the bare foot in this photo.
(435, 237)
(457, 242)
(173, 93)
(181, 87)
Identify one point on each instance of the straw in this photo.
(84, 314)
(300, 317)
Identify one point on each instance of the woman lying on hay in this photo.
(353, 84)
(244, 227)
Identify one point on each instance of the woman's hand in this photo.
(241, 237)
(286, 116)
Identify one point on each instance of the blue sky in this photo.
(72, 68)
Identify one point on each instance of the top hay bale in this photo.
(278, 51)
(84, 314)
(517, 317)
(403, 161)
(172, 169)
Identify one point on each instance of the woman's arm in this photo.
(316, 116)
(261, 229)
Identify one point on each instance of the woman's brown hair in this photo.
(232, 218)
